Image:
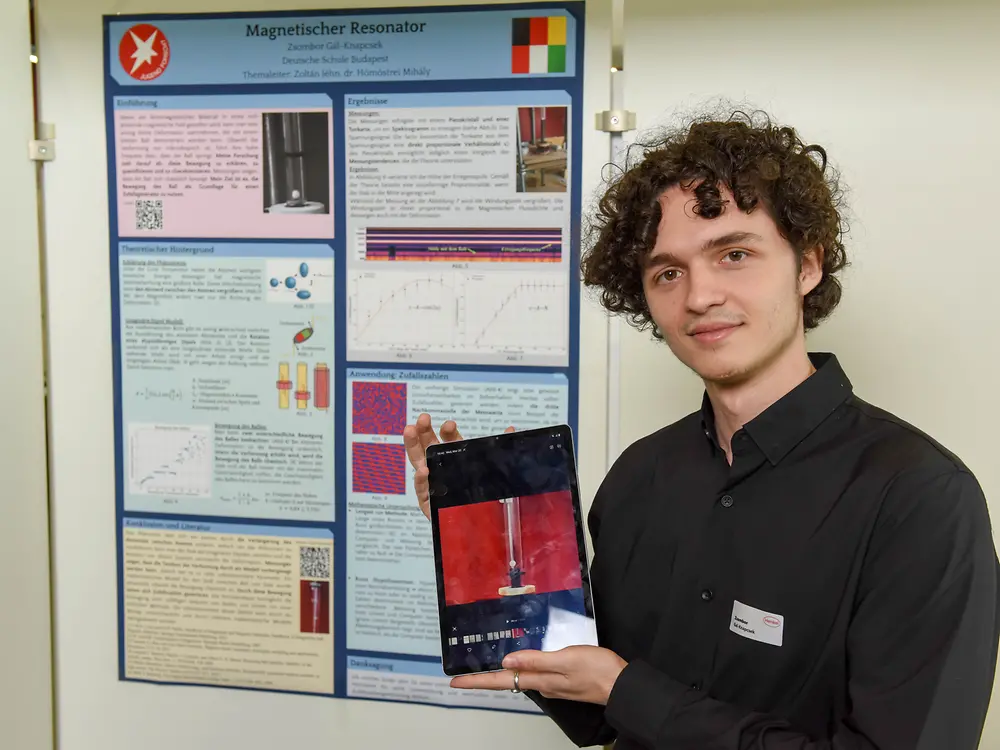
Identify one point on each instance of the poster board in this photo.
(322, 224)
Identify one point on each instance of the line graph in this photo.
(170, 460)
(396, 309)
(519, 314)
(518, 317)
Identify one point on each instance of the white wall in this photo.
(906, 99)
(902, 95)
(25, 636)
(95, 711)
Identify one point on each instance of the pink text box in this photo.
(200, 173)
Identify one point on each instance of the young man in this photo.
(789, 566)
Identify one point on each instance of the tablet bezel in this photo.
(457, 450)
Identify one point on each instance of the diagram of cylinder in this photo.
(302, 386)
(321, 380)
(284, 385)
(515, 560)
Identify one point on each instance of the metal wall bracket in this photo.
(41, 150)
(615, 121)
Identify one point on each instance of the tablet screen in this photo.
(512, 568)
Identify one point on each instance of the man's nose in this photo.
(704, 289)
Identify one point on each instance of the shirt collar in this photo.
(787, 422)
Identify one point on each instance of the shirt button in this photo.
(695, 686)
(727, 501)
(706, 595)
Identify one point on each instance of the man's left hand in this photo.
(576, 673)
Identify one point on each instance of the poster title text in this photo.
(354, 28)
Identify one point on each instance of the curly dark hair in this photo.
(761, 163)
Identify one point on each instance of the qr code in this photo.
(314, 562)
(149, 214)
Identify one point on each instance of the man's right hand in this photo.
(416, 438)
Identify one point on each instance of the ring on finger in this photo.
(517, 682)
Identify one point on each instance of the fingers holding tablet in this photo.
(413, 441)
(417, 438)
(449, 432)
(504, 680)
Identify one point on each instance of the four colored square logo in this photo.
(539, 45)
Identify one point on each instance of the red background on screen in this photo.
(474, 555)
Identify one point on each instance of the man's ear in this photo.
(810, 269)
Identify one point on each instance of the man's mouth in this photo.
(709, 333)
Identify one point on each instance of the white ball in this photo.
(296, 194)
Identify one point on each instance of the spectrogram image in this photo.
(379, 408)
(378, 468)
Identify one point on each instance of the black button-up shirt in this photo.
(834, 587)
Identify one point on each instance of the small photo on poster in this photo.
(314, 607)
(296, 159)
(314, 589)
(541, 150)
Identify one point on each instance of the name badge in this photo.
(756, 624)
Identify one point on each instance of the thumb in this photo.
(530, 661)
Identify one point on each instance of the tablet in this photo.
(512, 568)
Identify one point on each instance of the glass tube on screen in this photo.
(515, 559)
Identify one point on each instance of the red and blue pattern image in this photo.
(379, 408)
(378, 468)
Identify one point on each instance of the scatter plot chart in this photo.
(296, 282)
(378, 468)
(170, 460)
(378, 408)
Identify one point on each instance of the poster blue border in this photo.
(573, 85)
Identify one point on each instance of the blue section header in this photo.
(259, 101)
(459, 99)
(540, 378)
(227, 249)
(396, 666)
(336, 47)
(224, 528)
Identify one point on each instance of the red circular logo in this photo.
(144, 52)
(772, 621)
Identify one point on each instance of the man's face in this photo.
(725, 293)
